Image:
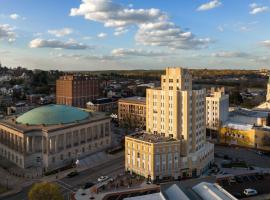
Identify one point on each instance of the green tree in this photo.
(45, 191)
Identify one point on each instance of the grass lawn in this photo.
(235, 164)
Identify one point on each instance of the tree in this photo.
(45, 191)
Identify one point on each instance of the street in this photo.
(68, 185)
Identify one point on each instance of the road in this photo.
(68, 185)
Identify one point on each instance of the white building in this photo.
(217, 108)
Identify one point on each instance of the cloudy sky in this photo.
(134, 34)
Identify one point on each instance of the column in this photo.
(56, 144)
(33, 144)
(65, 140)
(27, 144)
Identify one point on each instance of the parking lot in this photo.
(236, 184)
(247, 155)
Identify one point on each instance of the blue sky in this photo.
(134, 34)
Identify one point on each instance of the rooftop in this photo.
(135, 99)
(65, 118)
(101, 101)
(147, 137)
(249, 113)
(52, 114)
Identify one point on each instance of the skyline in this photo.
(128, 34)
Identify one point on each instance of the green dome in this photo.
(52, 115)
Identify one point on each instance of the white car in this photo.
(250, 192)
(102, 178)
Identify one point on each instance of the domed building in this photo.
(52, 136)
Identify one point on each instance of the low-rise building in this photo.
(53, 136)
(246, 135)
(102, 105)
(132, 112)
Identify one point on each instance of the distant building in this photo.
(76, 90)
(132, 112)
(217, 108)
(265, 105)
(53, 136)
(174, 143)
(246, 135)
(248, 128)
(18, 108)
(102, 105)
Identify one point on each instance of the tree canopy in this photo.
(45, 191)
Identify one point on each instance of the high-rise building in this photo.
(217, 108)
(174, 144)
(76, 90)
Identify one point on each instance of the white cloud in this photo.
(83, 56)
(209, 5)
(255, 9)
(7, 33)
(115, 15)
(230, 54)
(120, 31)
(14, 16)
(102, 35)
(220, 28)
(52, 43)
(60, 32)
(120, 52)
(154, 29)
(266, 43)
(167, 34)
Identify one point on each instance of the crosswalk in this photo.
(66, 189)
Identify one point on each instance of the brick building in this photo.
(76, 90)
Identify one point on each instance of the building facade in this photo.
(76, 90)
(217, 108)
(176, 113)
(53, 136)
(102, 105)
(132, 112)
(246, 135)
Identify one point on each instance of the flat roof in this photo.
(135, 99)
(238, 126)
(148, 137)
(249, 113)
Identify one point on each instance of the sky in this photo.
(134, 34)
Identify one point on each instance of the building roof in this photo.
(101, 101)
(148, 137)
(238, 126)
(135, 99)
(209, 191)
(154, 196)
(249, 113)
(52, 114)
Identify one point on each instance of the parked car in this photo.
(102, 178)
(250, 192)
(88, 185)
(72, 174)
